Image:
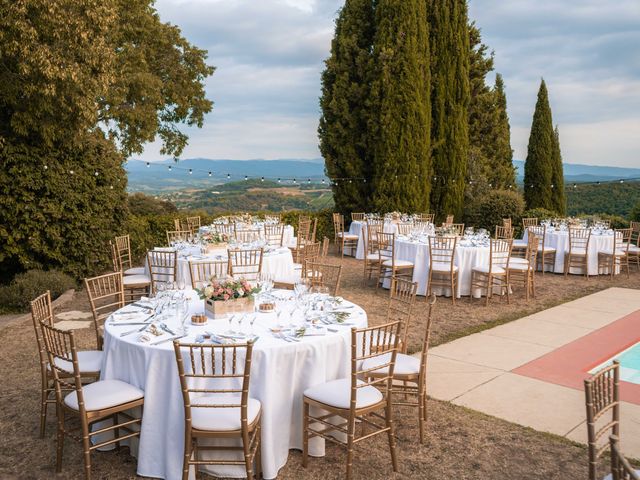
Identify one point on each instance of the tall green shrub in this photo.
(489, 210)
(557, 176)
(400, 93)
(450, 96)
(343, 129)
(538, 168)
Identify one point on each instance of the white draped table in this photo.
(559, 239)
(360, 228)
(280, 372)
(466, 258)
(287, 237)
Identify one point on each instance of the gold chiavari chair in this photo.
(371, 254)
(92, 403)
(618, 257)
(249, 235)
(342, 238)
(178, 236)
(506, 223)
(90, 361)
(123, 250)
(134, 285)
(310, 254)
(357, 217)
(578, 254)
(504, 233)
(355, 401)
(204, 271)
(314, 230)
(621, 469)
(602, 398)
(228, 229)
(529, 222)
(634, 244)
(496, 273)
(274, 234)
(410, 375)
(448, 220)
(325, 275)
(303, 236)
(215, 389)
(442, 269)
(388, 265)
(404, 228)
(177, 224)
(273, 218)
(193, 224)
(457, 228)
(427, 217)
(106, 295)
(402, 298)
(163, 266)
(324, 251)
(546, 254)
(245, 263)
(525, 268)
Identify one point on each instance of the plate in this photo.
(199, 324)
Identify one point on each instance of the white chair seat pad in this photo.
(485, 269)
(634, 248)
(134, 271)
(518, 260)
(547, 249)
(521, 267)
(221, 419)
(578, 251)
(104, 394)
(337, 393)
(619, 253)
(88, 361)
(347, 236)
(398, 263)
(443, 267)
(519, 243)
(373, 256)
(135, 280)
(405, 364)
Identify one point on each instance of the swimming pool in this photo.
(629, 364)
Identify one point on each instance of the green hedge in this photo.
(489, 210)
(26, 286)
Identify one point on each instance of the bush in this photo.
(539, 213)
(635, 213)
(28, 285)
(489, 210)
(141, 204)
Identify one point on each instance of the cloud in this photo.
(269, 56)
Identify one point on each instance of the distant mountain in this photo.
(575, 172)
(157, 176)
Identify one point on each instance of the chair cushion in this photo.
(221, 419)
(105, 394)
(135, 280)
(405, 364)
(578, 251)
(485, 269)
(634, 249)
(398, 263)
(521, 267)
(88, 361)
(518, 260)
(134, 271)
(373, 256)
(443, 267)
(519, 243)
(348, 236)
(337, 393)
(547, 249)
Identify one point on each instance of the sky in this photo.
(269, 56)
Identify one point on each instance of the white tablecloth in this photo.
(466, 258)
(278, 263)
(280, 373)
(287, 236)
(360, 228)
(560, 241)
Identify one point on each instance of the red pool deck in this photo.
(570, 365)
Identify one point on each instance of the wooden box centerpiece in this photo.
(224, 296)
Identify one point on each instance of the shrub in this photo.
(489, 210)
(635, 213)
(28, 285)
(539, 213)
(141, 204)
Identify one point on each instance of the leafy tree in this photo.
(503, 172)
(557, 177)
(84, 83)
(343, 130)
(538, 168)
(450, 95)
(400, 93)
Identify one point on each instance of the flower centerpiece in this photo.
(223, 296)
(214, 240)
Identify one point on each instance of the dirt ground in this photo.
(461, 444)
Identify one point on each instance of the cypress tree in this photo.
(503, 173)
(557, 178)
(400, 93)
(343, 133)
(450, 95)
(538, 168)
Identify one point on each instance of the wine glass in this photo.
(182, 284)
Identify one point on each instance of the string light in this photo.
(96, 173)
(190, 172)
(209, 173)
(246, 178)
(169, 167)
(309, 180)
(228, 176)
(70, 172)
(148, 164)
(46, 167)
(278, 180)
(262, 179)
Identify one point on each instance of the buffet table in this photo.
(281, 371)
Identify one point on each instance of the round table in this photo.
(559, 239)
(288, 238)
(278, 262)
(281, 371)
(466, 258)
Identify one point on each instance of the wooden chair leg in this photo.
(305, 434)
(86, 450)
(391, 435)
(258, 458)
(59, 439)
(43, 410)
(186, 458)
(350, 438)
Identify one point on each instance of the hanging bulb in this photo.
(190, 172)
(148, 164)
(169, 167)
(71, 172)
(228, 176)
(278, 180)
(246, 178)
(96, 174)
(364, 180)
(111, 187)
(262, 179)
(309, 180)
(209, 173)
(575, 186)
(323, 181)
(294, 180)
(552, 185)
(621, 181)
(46, 167)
